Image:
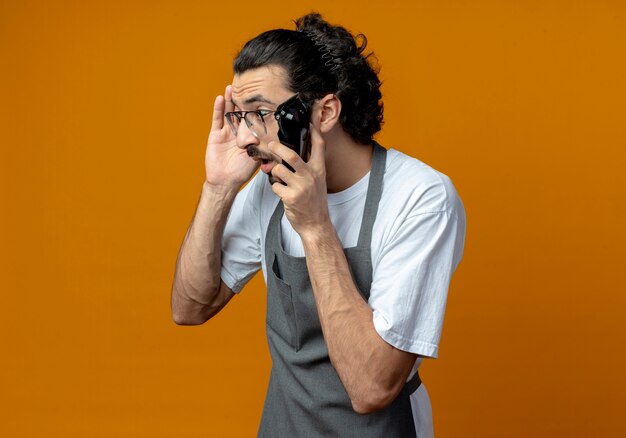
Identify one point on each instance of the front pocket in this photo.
(281, 315)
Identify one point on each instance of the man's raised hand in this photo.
(226, 164)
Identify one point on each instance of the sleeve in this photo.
(411, 279)
(241, 242)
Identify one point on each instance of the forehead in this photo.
(260, 84)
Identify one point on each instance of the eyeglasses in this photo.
(254, 119)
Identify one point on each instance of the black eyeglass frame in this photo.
(244, 115)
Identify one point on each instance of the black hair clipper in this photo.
(293, 126)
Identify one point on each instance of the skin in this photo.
(372, 371)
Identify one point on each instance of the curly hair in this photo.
(319, 59)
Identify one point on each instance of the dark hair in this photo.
(319, 59)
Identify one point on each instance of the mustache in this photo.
(253, 152)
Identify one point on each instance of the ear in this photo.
(327, 109)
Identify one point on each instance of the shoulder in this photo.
(417, 242)
(412, 187)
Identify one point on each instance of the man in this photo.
(357, 244)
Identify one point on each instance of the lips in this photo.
(266, 163)
(266, 166)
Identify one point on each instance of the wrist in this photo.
(220, 190)
(320, 234)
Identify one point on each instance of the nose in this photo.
(245, 137)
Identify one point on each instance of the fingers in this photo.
(228, 95)
(222, 105)
(217, 122)
(283, 174)
(288, 155)
(279, 190)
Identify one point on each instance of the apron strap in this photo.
(411, 386)
(374, 192)
(276, 217)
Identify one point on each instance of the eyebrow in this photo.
(254, 99)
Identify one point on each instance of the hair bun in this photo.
(338, 40)
(311, 21)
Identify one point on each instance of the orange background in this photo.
(104, 114)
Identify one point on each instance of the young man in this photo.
(357, 244)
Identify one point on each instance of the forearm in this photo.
(196, 287)
(372, 371)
